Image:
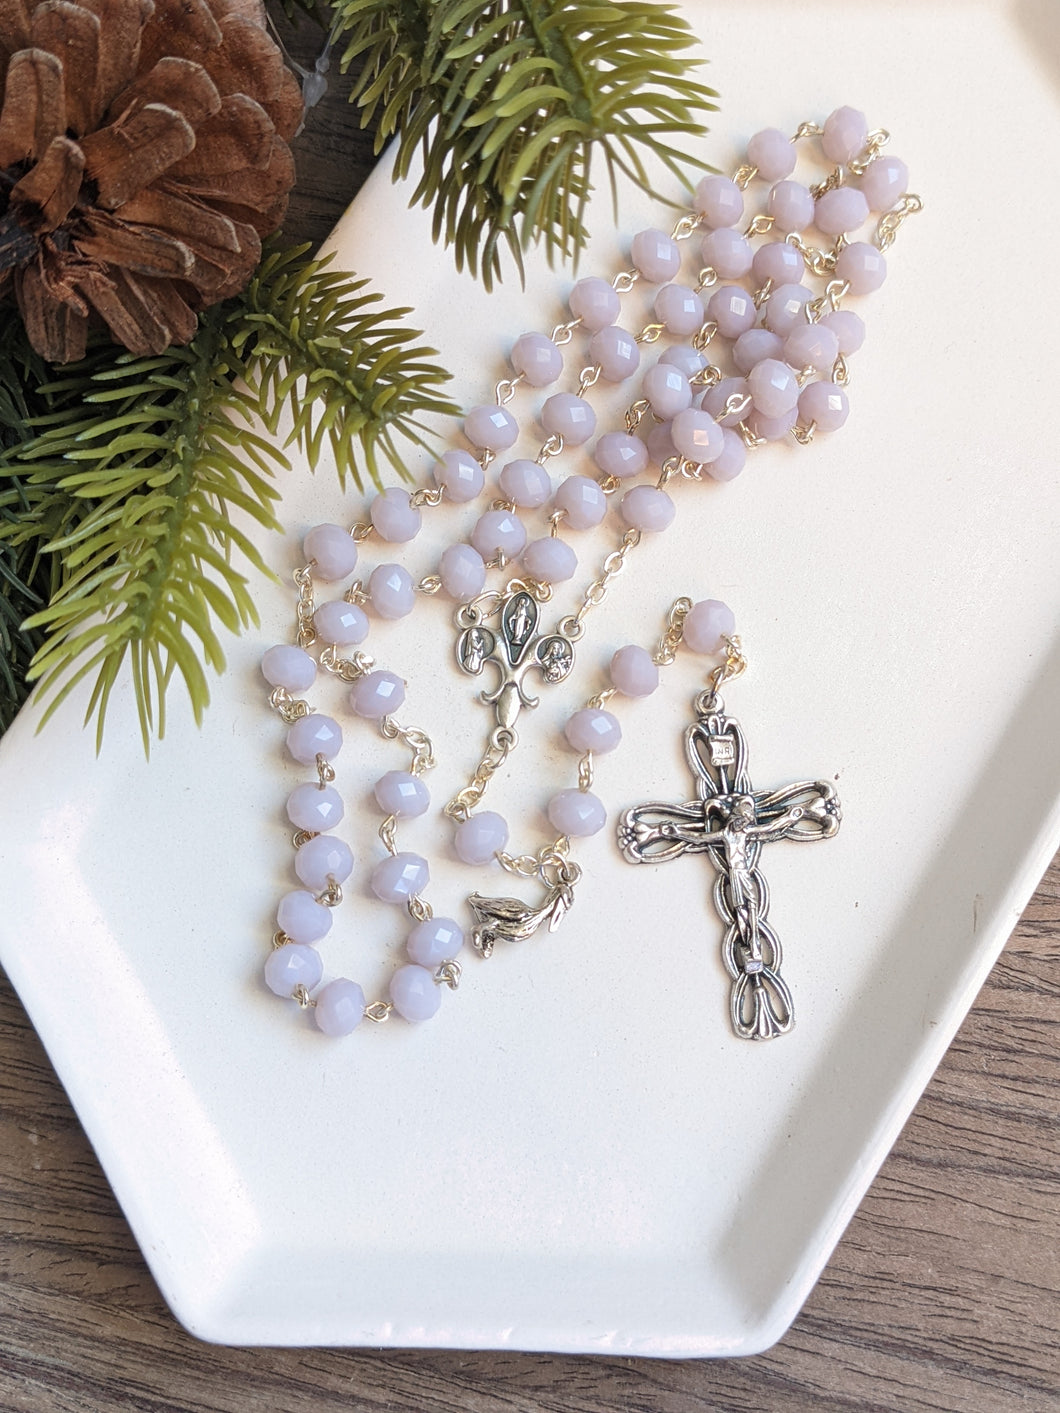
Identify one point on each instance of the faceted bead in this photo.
(883, 182)
(667, 389)
(315, 808)
(302, 917)
(399, 877)
(525, 483)
(679, 308)
(462, 571)
(784, 308)
(845, 135)
(717, 399)
(377, 694)
(414, 993)
(583, 501)
(660, 443)
(750, 348)
(684, 356)
(633, 672)
(391, 591)
(331, 550)
(569, 417)
(848, 327)
(615, 352)
(321, 859)
(550, 560)
(394, 517)
(314, 735)
(656, 255)
(728, 252)
(719, 201)
(339, 1007)
(772, 429)
(537, 358)
(773, 153)
(401, 793)
(732, 460)
(696, 435)
(344, 624)
(777, 261)
(577, 813)
(293, 965)
(594, 302)
(593, 729)
(434, 941)
(840, 211)
(862, 266)
(620, 455)
(480, 837)
(288, 667)
(707, 624)
(732, 309)
(824, 403)
(647, 508)
(811, 346)
(491, 426)
(499, 532)
(459, 475)
(791, 206)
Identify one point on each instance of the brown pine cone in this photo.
(143, 155)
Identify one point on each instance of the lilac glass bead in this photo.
(593, 729)
(569, 417)
(717, 399)
(321, 859)
(491, 426)
(728, 252)
(394, 517)
(377, 694)
(647, 508)
(459, 475)
(684, 356)
(791, 206)
(479, 838)
(537, 358)
(732, 460)
(772, 429)
(840, 211)
(660, 443)
(633, 672)
(620, 455)
(344, 624)
(719, 201)
(550, 560)
(848, 327)
(811, 346)
(732, 309)
(576, 812)
(414, 993)
(499, 532)
(391, 591)
(667, 389)
(777, 261)
(339, 1007)
(401, 793)
(883, 182)
(315, 808)
(434, 941)
(784, 308)
(302, 918)
(314, 735)
(525, 483)
(862, 266)
(750, 348)
(332, 551)
(594, 302)
(656, 255)
(773, 153)
(616, 353)
(679, 308)
(399, 877)
(824, 403)
(707, 624)
(696, 435)
(462, 571)
(293, 965)
(583, 500)
(845, 134)
(288, 667)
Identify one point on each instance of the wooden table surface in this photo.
(944, 1292)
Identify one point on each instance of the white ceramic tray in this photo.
(576, 1154)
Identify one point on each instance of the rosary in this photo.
(759, 356)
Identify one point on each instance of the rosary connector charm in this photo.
(513, 650)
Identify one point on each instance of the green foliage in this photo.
(508, 101)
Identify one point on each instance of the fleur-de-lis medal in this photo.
(513, 650)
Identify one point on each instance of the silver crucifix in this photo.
(729, 822)
(513, 650)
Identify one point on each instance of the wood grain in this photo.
(944, 1294)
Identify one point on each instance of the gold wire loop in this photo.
(624, 281)
(890, 221)
(419, 909)
(386, 834)
(686, 226)
(325, 770)
(290, 709)
(378, 1011)
(426, 495)
(349, 669)
(448, 974)
(302, 996)
(670, 641)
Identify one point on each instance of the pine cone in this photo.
(143, 155)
